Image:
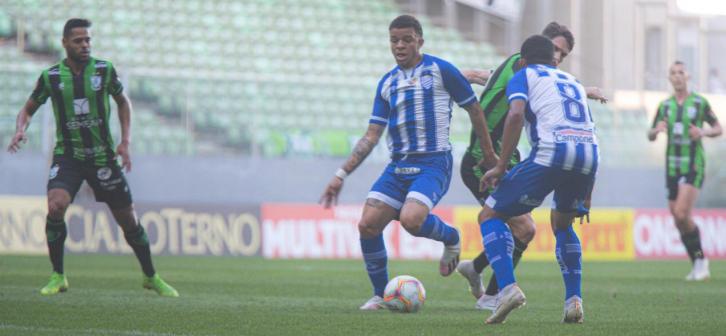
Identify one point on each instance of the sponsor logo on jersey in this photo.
(103, 173)
(86, 123)
(60, 86)
(53, 171)
(96, 82)
(94, 150)
(80, 106)
(573, 135)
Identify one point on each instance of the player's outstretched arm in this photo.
(479, 123)
(21, 124)
(124, 116)
(594, 92)
(477, 76)
(510, 138)
(362, 149)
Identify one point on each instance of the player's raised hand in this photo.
(694, 132)
(123, 150)
(491, 177)
(18, 138)
(332, 190)
(594, 92)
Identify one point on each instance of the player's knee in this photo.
(412, 222)
(57, 207)
(529, 229)
(486, 213)
(367, 229)
(681, 215)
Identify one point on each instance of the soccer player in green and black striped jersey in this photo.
(495, 106)
(682, 116)
(79, 87)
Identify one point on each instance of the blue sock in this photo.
(376, 259)
(569, 256)
(434, 228)
(499, 244)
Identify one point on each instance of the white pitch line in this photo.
(87, 331)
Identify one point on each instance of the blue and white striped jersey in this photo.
(558, 120)
(416, 105)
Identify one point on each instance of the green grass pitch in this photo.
(252, 296)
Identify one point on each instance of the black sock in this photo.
(139, 242)
(55, 232)
(692, 241)
(480, 262)
(519, 247)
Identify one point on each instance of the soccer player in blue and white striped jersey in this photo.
(414, 103)
(564, 159)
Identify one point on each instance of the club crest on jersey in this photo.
(96, 82)
(60, 86)
(691, 112)
(427, 81)
(104, 173)
(53, 171)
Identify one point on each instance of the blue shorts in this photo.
(424, 177)
(528, 183)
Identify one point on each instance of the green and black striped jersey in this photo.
(81, 108)
(495, 106)
(683, 155)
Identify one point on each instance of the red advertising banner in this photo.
(309, 231)
(656, 237)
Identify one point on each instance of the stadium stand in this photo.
(237, 77)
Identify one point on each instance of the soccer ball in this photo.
(404, 294)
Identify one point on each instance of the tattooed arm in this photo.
(364, 147)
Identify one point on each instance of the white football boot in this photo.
(466, 269)
(449, 259)
(487, 302)
(700, 271)
(510, 298)
(374, 303)
(573, 310)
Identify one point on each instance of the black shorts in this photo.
(108, 182)
(470, 178)
(694, 178)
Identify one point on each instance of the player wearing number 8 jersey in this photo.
(682, 117)
(564, 159)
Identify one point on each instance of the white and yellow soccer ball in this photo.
(404, 294)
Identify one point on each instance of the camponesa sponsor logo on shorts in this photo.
(53, 171)
(573, 135)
